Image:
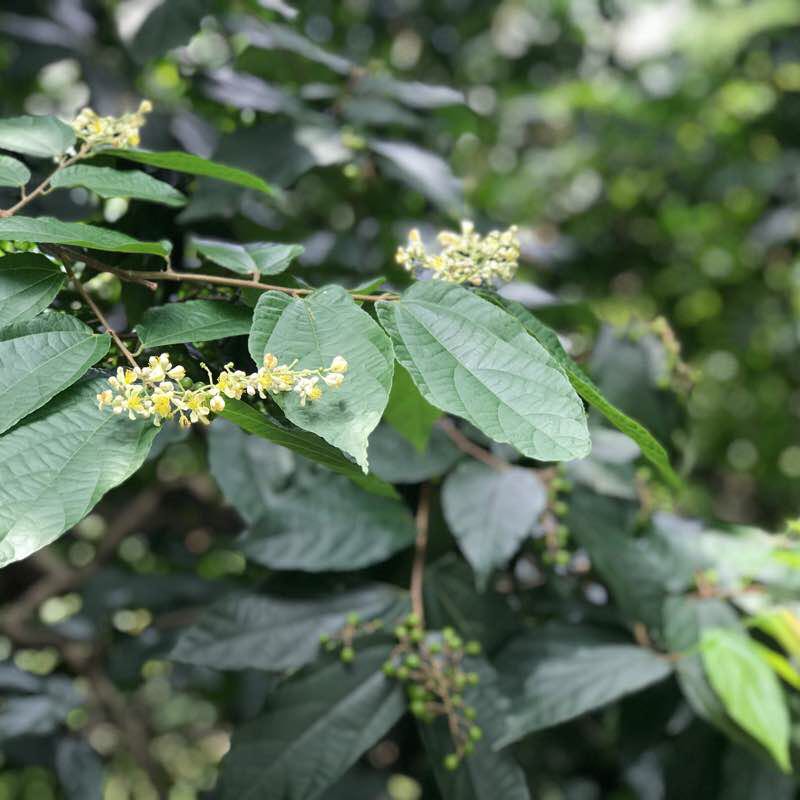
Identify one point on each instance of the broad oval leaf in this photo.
(749, 689)
(327, 523)
(651, 448)
(470, 358)
(266, 258)
(249, 470)
(302, 442)
(42, 357)
(13, 172)
(556, 673)
(314, 330)
(45, 136)
(57, 464)
(193, 165)
(313, 729)
(78, 234)
(109, 182)
(28, 284)
(276, 633)
(490, 512)
(193, 321)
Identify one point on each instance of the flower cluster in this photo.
(430, 665)
(97, 131)
(344, 638)
(162, 391)
(466, 257)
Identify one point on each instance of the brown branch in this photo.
(469, 447)
(100, 316)
(67, 253)
(421, 547)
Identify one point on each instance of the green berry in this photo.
(330, 645)
(324, 638)
(412, 661)
(469, 748)
(347, 654)
(389, 669)
(435, 647)
(417, 635)
(353, 618)
(402, 673)
(473, 678)
(475, 733)
(413, 620)
(560, 508)
(418, 708)
(460, 680)
(469, 712)
(457, 699)
(562, 558)
(400, 632)
(472, 648)
(417, 692)
(451, 762)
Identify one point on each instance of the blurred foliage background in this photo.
(648, 152)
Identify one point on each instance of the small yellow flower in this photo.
(338, 365)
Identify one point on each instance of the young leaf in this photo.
(249, 470)
(42, 357)
(486, 774)
(651, 448)
(57, 463)
(408, 411)
(109, 182)
(193, 165)
(749, 689)
(193, 321)
(268, 258)
(556, 673)
(313, 729)
(491, 512)
(304, 443)
(13, 172)
(28, 284)
(470, 358)
(45, 137)
(78, 234)
(328, 524)
(275, 633)
(314, 330)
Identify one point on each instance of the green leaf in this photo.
(249, 631)
(80, 770)
(486, 774)
(42, 357)
(249, 470)
(267, 258)
(28, 284)
(748, 777)
(491, 512)
(57, 464)
(312, 730)
(13, 172)
(470, 358)
(304, 443)
(749, 689)
(409, 412)
(78, 234)
(327, 523)
(556, 673)
(192, 321)
(314, 330)
(46, 137)
(109, 182)
(193, 165)
(393, 458)
(651, 448)
(170, 24)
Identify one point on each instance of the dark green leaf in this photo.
(304, 443)
(312, 730)
(178, 161)
(170, 24)
(80, 770)
(274, 633)
(78, 234)
(556, 673)
(42, 357)
(470, 358)
(393, 458)
(28, 284)
(193, 321)
(491, 512)
(409, 412)
(314, 330)
(266, 258)
(328, 523)
(58, 462)
(109, 182)
(45, 137)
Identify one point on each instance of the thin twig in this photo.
(67, 253)
(469, 447)
(100, 316)
(420, 550)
